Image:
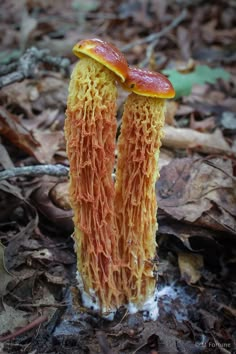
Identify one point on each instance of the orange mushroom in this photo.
(136, 175)
(90, 130)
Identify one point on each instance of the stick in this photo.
(27, 66)
(149, 53)
(30, 326)
(103, 343)
(34, 171)
(158, 35)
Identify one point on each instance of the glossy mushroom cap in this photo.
(105, 53)
(148, 83)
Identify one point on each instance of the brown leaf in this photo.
(211, 34)
(208, 319)
(185, 138)
(11, 318)
(171, 109)
(190, 265)
(188, 188)
(12, 129)
(40, 144)
(49, 144)
(184, 110)
(5, 276)
(5, 159)
(202, 237)
(203, 125)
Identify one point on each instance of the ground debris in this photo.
(40, 312)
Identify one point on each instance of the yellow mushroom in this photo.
(90, 131)
(137, 171)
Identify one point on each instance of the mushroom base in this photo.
(91, 301)
(149, 309)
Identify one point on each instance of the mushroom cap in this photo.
(105, 53)
(148, 83)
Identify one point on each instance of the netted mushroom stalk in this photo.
(136, 175)
(90, 130)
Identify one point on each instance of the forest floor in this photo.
(194, 43)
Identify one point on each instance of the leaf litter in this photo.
(196, 189)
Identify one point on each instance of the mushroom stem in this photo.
(90, 130)
(135, 198)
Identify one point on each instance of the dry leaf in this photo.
(190, 265)
(13, 130)
(188, 189)
(11, 319)
(185, 138)
(4, 275)
(49, 144)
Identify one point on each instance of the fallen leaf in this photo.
(185, 138)
(11, 319)
(40, 144)
(5, 159)
(171, 110)
(209, 320)
(211, 34)
(183, 82)
(4, 275)
(190, 265)
(194, 238)
(49, 143)
(14, 255)
(10, 198)
(207, 124)
(188, 188)
(13, 130)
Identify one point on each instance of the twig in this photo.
(103, 343)
(30, 326)
(158, 35)
(28, 65)
(57, 61)
(34, 171)
(8, 68)
(149, 53)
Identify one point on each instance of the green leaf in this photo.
(183, 82)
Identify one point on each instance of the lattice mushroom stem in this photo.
(90, 130)
(136, 175)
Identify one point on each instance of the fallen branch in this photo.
(34, 171)
(156, 36)
(30, 326)
(27, 66)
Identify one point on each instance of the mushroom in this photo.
(90, 131)
(137, 171)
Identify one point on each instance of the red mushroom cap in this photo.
(148, 83)
(105, 53)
